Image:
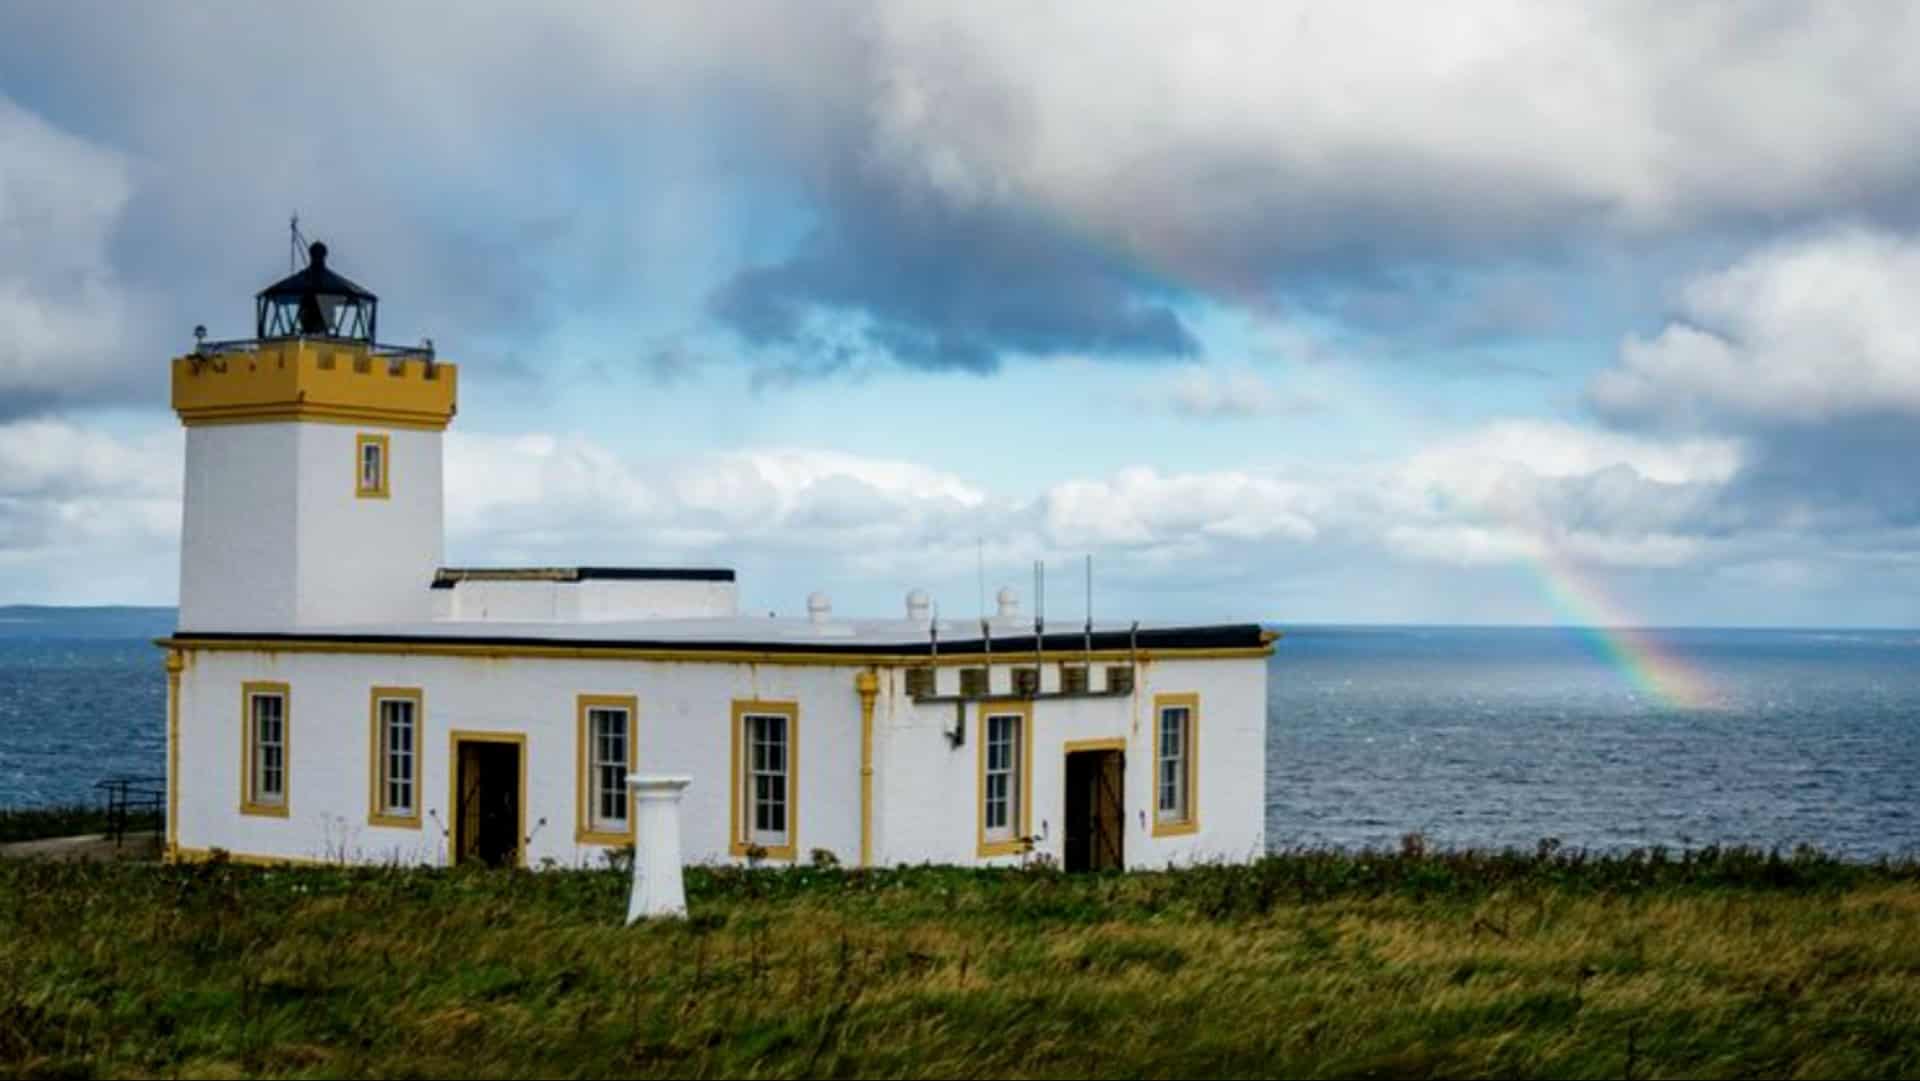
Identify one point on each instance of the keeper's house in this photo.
(335, 693)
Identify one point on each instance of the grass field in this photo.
(41, 822)
(1717, 964)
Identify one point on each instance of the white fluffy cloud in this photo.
(1811, 330)
(86, 516)
(549, 499)
(1235, 130)
(62, 310)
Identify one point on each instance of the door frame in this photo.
(1116, 743)
(454, 739)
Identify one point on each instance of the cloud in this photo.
(1808, 351)
(546, 499)
(950, 287)
(86, 516)
(1801, 332)
(63, 311)
(89, 516)
(949, 188)
(1204, 392)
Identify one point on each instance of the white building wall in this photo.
(684, 726)
(238, 547)
(273, 536)
(367, 560)
(925, 791)
(588, 600)
(926, 786)
(611, 598)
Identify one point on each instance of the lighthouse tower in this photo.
(313, 476)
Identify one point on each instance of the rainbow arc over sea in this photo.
(1652, 666)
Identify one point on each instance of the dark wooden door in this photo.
(489, 812)
(1094, 822)
(1109, 813)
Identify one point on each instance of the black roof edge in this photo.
(447, 577)
(1221, 636)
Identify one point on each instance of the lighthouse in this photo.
(313, 465)
(336, 693)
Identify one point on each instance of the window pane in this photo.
(607, 735)
(1172, 779)
(1003, 768)
(767, 765)
(269, 777)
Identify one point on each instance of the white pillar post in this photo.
(657, 886)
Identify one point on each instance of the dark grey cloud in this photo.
(943, 286)
(983, 182)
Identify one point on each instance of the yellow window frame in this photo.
(377, 761)
(584, 705)
(1191, 823)
(249, 737)
(741, 844)
(1021, 841)
(360, 444)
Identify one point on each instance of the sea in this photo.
(1472, 737)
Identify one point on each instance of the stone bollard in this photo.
(657, 886)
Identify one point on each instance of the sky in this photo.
(1350, 312)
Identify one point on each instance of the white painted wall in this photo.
(684, 726)
(367, 560)
(925, 785)
(273, 536)
(238, 548)
(590, 600)
(926, 793)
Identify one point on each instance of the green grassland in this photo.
(32, 824)
(1313, 964)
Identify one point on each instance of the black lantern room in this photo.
(316, 303)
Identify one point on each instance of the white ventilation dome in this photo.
(919, 605)
(1009, 603)
(819, 607)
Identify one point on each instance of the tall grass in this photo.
(70, 820)
(1718, 963)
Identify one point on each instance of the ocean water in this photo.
(1504, 737)
(1470, 736)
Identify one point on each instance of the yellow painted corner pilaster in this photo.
(868, 686)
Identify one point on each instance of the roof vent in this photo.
(819, 608)
(1009, 603)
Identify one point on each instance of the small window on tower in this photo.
(371, 463)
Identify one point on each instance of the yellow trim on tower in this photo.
(739, 842)
(176, 662)
(867, 686)
(1074, 745)
(304, 379)
(583, 831)
(248, 805)
(1022, 839)
(454, 739)
(1191, 823)
(381, 489)
(377, 758)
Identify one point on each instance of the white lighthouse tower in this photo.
(313, 474)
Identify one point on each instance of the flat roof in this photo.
(746, 634)
(448, 577)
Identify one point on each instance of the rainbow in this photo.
(1650, 665)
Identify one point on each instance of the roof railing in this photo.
(251, 345)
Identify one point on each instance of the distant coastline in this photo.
(85, 621)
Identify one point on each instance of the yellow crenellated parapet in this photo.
(315, 380)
